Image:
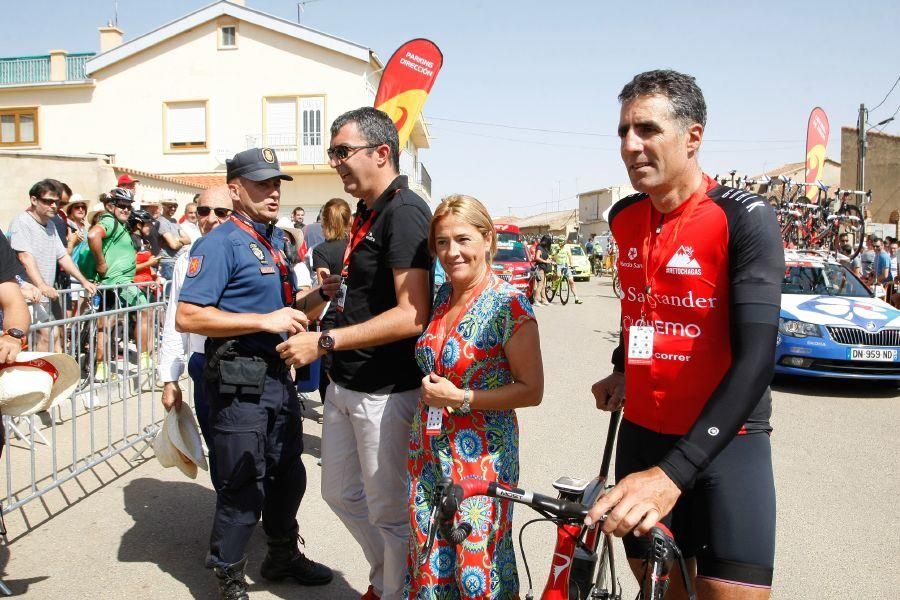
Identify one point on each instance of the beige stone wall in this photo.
(882, 170)
(86, 175)
(592, 205)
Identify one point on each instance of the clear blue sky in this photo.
(558, 66)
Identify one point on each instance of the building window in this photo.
(18, 127)
(228, 36)
(312, 151)
(186, 125)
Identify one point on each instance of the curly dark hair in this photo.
(685, 96)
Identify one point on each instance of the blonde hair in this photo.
(336, 219)
(469, 210)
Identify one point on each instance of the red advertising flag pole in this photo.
(406, 82)
(817, 131)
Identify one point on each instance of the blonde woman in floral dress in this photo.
(481, 358)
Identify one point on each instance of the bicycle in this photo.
(578, 571)
(557, 284)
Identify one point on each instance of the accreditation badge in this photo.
(337, 302)
(640, 345)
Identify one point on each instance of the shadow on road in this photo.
(835, 388)
(171, 530)
(17, 586)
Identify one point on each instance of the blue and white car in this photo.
(831, 325)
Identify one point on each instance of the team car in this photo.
(581, 264)
(831, 324)
(512, 264)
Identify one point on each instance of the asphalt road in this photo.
(135, 530)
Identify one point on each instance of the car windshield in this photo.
(504, 237)
(827, 280)
(576, 250)
(514, 253)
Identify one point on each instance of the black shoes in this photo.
(285, 560)
(232, 585)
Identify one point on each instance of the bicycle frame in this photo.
(575, 562)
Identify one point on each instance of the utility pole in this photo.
(861, 149)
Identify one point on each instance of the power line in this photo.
(890, 91)
(589, 133)
(581, 147)
(889, 120)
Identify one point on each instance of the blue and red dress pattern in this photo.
(481, 444)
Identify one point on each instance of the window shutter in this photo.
(281, 122)
(312, 150)
(187, 124)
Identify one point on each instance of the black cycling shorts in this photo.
(727, 520)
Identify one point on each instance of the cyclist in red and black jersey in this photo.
(700, 266)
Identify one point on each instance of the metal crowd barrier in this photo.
(106, 415)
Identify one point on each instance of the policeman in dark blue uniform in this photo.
(240, 292)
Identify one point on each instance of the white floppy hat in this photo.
(96, 207)
(178, 442)
(36, 382)
(287, 225)
(149, 197)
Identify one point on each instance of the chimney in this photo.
(58, 65)
(110, 37)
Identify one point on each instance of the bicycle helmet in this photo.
(138, 217)
(120, 195)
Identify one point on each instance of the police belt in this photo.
(234, 371)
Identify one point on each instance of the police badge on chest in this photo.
(264, 267)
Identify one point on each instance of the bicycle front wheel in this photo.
(564, 291)
(550, 290)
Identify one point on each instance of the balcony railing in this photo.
(420, 177)
(75, 66)
(425, 179)
(24, 69)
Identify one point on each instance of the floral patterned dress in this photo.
(481, 444)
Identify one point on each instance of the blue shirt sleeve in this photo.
(209, 270)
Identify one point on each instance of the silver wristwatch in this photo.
(466, 405)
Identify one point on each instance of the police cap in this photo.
(255, 164)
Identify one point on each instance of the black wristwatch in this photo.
(326, 342)
(17, 334)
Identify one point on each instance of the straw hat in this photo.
(150, 197)
(178, 442)
(96, 207)
(37, 381)
(286, 225)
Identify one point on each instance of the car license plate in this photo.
(876, 354)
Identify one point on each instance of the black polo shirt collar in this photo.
(399, 183)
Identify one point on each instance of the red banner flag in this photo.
(406, 82)
(816, 141)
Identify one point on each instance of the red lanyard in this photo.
(38, 363)
(443, 334)
(358, 232)
(287, 291)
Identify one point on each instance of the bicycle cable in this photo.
(529, 595)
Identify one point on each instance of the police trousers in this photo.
(258, 441)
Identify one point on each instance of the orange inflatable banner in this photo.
(406, 82)
(817, 131)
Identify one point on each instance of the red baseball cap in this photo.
(126, 179)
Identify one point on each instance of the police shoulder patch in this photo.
(194, 265)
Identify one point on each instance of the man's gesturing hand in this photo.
(636, 503)
(301, 349)
(285, 320)
(610, 392)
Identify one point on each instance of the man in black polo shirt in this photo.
(375, 382)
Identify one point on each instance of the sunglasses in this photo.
(48, 201)
(203, 211)
(344, 151)
(123, 206)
